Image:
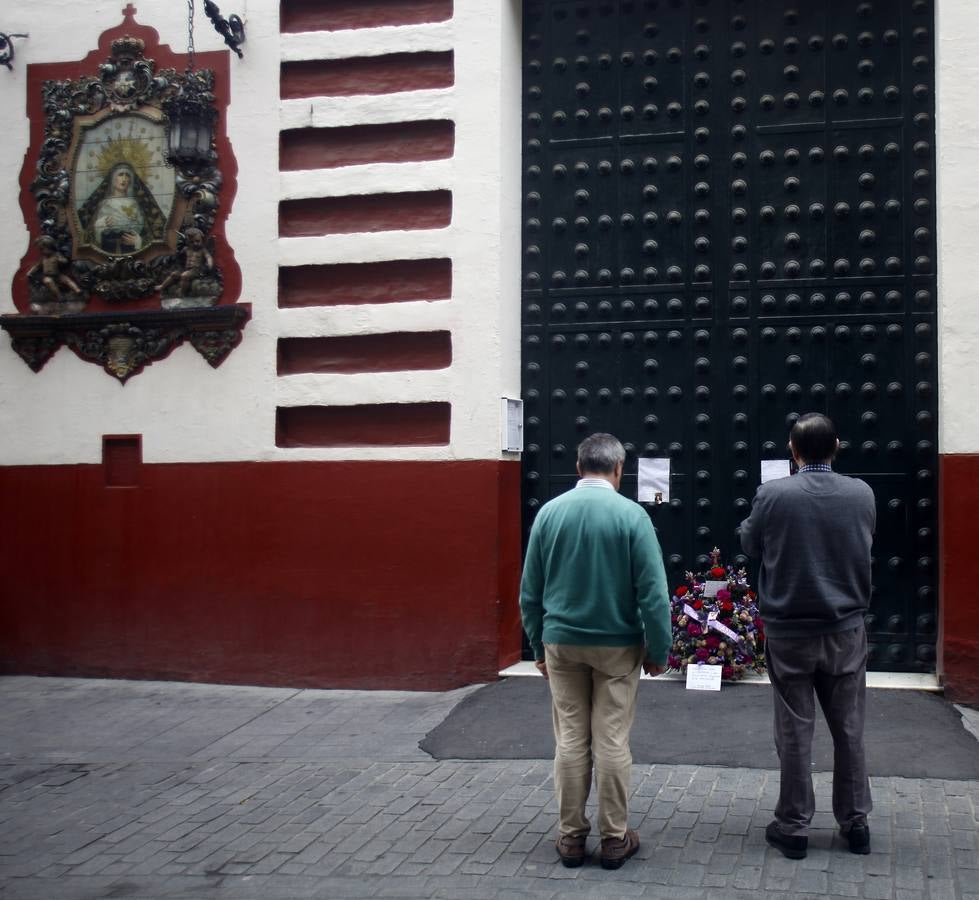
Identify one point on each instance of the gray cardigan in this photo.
(813, 532)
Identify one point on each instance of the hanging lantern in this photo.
(191, 116)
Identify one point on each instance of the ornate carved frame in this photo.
(125, 305)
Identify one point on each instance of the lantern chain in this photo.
(190, 35)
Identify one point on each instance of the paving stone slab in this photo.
(127, 821)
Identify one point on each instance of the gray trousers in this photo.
(834, 668)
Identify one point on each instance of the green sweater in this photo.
(594, 575)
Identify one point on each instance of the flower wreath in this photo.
(722, 630)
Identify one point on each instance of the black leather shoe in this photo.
(790, 846)
(858, 838)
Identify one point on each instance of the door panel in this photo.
(729, 221)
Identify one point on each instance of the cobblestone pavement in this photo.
(152, 790)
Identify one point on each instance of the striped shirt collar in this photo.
(816, 467)
(594, 482)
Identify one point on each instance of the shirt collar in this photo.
(594, 482)
(816, 467)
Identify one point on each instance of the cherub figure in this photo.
(52, 264)
(197, 261)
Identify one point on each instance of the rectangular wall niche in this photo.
(392, 281)
(122, 455)
(387, 74)
(365, 425)
(362, 213)
(396, 352)
(328, 148)
(333, 15)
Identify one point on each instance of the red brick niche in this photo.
(391, 281)
(360, 213)
(330, 574)
(958, 638)
(387, 74)
(328, 148)
(363, 425)
(332, 15)
(396, 352)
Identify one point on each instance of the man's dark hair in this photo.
(600, 453)
(814, 438)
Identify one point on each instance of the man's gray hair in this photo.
(600, 453)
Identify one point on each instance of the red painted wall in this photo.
(394, 281)
(366, 75)
(360, 213)
(958, 638)
(327, 148)
(346, 574)
(403, 351)
(364, 425)
(331, 15)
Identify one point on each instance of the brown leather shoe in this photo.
(571, 849)
(616, 851)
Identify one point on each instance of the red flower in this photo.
(727, 606)
(674, 619)
(702, 653)
(727, 671)
(698, 604)
(681, 590)
(693, 629)
(718, 572)
(713, 642)
(752, 595)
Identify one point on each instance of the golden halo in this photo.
(125, 150)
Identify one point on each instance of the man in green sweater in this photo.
(596, 610)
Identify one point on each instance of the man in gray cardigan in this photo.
(813, 532)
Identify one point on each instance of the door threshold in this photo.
(905, 681)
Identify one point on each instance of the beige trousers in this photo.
(593, 703)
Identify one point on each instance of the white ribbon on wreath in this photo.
(711, 622)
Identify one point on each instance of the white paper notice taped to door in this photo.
(654, 481)
(775, 468)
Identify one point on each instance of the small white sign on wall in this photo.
(511, 425)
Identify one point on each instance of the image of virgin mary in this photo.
(121, 216)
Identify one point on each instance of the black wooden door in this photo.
(729, 220)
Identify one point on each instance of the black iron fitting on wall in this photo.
(7, 49)
(231, 29)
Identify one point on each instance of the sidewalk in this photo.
(159, 790)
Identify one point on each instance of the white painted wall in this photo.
(958, 224)
(188, 412)
(185, 410)
(483, 240)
